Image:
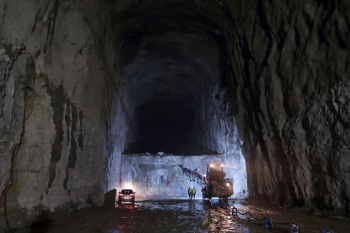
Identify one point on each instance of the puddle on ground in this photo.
(175, 216)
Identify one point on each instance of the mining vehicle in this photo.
(216, 184)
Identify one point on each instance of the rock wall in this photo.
(315, 145)
(12, 110)
(116, 143)
(214, 120)
(161, 177)
(55, 68)
(283, 57)
(66, 118)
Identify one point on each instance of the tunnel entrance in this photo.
(175, 91)
(174, 98)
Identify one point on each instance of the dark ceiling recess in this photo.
(171, 63)
(166, 126)
(170, 79)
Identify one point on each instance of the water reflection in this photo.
(126, 206)
(191, 205)
(174, 216)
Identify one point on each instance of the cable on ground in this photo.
(294, 227)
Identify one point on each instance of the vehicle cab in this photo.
(216, 184)
(215, 171)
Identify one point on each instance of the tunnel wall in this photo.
(289, 73)
(117, 141)
(54, 76)
(214, 121)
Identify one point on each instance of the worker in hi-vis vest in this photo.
(189, 192)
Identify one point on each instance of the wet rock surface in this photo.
(188, 216)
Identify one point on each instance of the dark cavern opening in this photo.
(97, 97)
(170, 84)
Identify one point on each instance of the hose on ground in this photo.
(235, 211)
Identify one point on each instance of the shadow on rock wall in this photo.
(43, 222)
(312, 151)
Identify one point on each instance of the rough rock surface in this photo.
(284, 56)
(81, 82)
(158, 177)
(110, 197)
(51, 130)
(316, 145)
(97, 199)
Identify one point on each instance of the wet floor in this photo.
(184, 216)
(175, 216)
(147, 216)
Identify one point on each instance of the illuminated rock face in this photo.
(82, 82)
(161, 177)
(52, 115)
